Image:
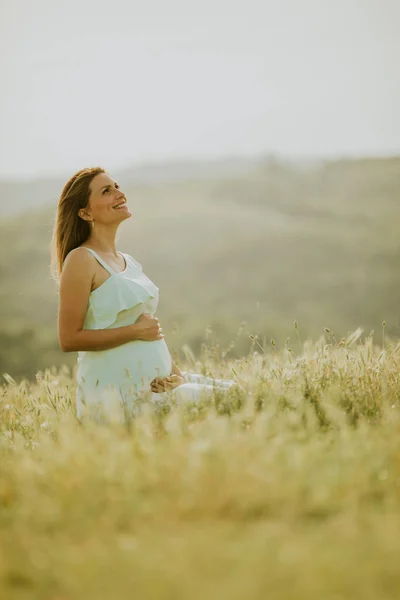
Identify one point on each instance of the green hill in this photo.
(278, 243)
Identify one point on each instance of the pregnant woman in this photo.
(107, 307)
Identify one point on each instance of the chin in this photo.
(126, 216)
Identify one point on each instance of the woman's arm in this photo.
(75, 287)
(99, 339)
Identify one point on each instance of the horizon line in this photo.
(158, 162)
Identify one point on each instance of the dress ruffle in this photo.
(124, 293)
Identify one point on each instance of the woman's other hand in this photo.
(163, 384)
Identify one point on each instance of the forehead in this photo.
(100, 181)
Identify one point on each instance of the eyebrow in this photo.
(108, 185)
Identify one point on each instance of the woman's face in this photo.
(107, 202)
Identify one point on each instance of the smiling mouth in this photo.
(120, 205)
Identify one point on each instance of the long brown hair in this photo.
(70, 231)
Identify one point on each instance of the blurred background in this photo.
(258, 144)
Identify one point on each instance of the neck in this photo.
(102, 238)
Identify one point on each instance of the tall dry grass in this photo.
(288, 487)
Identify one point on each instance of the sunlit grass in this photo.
(288, 487)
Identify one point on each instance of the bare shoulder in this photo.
(76, 283)
(79, 263)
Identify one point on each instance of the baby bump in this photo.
(134, 364)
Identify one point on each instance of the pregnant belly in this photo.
(134, 364)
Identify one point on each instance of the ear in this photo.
(83, 214)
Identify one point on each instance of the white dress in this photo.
(110, 383)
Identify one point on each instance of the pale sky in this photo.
(87, 82)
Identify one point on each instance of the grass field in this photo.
(286, 488)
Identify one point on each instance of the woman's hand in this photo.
(163, 384)
(149, 328)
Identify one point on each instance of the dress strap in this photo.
(100, 260)
(133, 261)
